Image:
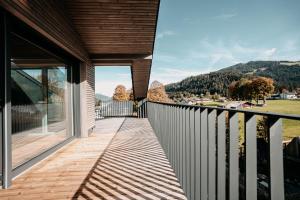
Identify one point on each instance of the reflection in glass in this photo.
(40, 96)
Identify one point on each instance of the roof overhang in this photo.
(96, 32)
(118, 33)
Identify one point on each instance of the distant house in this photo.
(247, 105)
(234, 105)
(274, 97)
(283, 95)
(288, 95)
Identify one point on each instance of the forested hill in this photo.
(286, 74)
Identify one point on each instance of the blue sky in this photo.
(198, 36)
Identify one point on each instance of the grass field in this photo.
(291, 128)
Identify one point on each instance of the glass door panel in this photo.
(41, 101)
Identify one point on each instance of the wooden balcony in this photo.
(122, 159)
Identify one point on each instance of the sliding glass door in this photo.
(41, 103)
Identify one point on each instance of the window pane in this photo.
(40, 96)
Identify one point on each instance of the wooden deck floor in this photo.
(132, 166)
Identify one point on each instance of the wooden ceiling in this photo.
(101, 32)
(115, 26)
(118, 32)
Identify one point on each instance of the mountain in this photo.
(286, 74)
(102, 97)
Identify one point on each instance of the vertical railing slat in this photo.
(178, 140)
(181, 145)
(197, 154)
(221, 154)
(276, 158)
(203, 153)
(212, 155)
(233, 156)
(192, 153)
(184, 135)
(251, 166)
(188, 152)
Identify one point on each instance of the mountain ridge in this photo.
(102, 97)
(286, 74)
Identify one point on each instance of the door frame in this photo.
(7, 24)
(5, 96)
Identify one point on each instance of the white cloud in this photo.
(269, 53)
(164, 34)
(209, 55)
(225, 16)
(222, 56)
(167, 75)
(233, 52)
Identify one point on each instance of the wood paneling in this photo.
(115, 27)
(49, 18)
(140, 70)
(87, 96)
(96, 28)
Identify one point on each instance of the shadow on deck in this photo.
(132, 166)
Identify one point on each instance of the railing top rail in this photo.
(267, 114)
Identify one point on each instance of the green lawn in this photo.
(291, 128)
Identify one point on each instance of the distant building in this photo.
(234, 105)
(288, 95)
(283, 95)
(274, 97)
(247, 105)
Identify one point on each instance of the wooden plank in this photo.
(92, 18)
(48, 19)
(133, 166)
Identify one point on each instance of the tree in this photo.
(262, 88)
(157, 93)
(233, 90)
(240, 90)
(129, 95)
(98, 102)
(248, 89)
(120, 93)
(262, 128)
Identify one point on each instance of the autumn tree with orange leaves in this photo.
(158, 93)
(120, 93)
(251, 89)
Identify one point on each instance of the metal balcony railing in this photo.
(29, 116)
(115, 109)
(203, 147)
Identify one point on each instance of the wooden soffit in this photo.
(115, 26)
